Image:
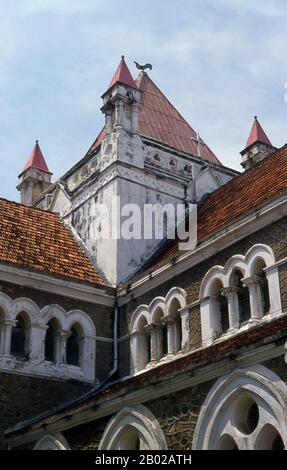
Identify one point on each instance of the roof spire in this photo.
(36, 160)
(257, 134)
(123, 75)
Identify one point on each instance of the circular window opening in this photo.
(227, 443)
(246, 415)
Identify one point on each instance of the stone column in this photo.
(169, 321)
(253, 284)
(233, 306)
(108, 121)
(184, 314)
(61, 353)
(138, 352)
(6, 335)
(135, 117)
(274, 289)
(153, 331)
(119, 113)
(37, 343)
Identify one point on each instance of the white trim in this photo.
(139, 418)
(216, 416)
(52, 442)
(52, 285)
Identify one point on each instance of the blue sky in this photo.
(220, 62)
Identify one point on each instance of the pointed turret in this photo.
(35, 177)
(258, 146)
(123, 75)
(121, 104)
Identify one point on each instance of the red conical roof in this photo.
(123, 75)
(36, 160)
(257, 134)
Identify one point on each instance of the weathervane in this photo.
(143, 67)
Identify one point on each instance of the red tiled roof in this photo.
(159, 120)
(251, 189)
(257, 134)
(39, 241)
(36, 160)
(123, 75)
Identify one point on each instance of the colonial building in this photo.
(115, 343)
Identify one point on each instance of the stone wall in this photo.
(274, 235)
(24, 397)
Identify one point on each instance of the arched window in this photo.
(73, 351)
(20, 337)
(133, 429)
(177, 328)
(263, 285)
(51, 341)
(244, 410)
(243, 296)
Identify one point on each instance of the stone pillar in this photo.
(184, 314)
(169, 321)
(6, 335)
(154, 337)
(233, 306)
(108, 121)
(37, 343)
(61, 357)
(253, 284)
(135, 117)
(119, 113)
(138, 351)
(274, 289)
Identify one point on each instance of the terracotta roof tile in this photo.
(39, 241)
(159, 120)
(250, 190)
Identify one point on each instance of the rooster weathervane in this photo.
(143, 67)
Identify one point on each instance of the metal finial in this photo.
(255, 117)
(37, 141)
(123, 57)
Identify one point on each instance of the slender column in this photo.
(154, 337)
(63, 336)
(233, 306)
(135, 117)
(253, 284)
(169, 321)
(6, 336)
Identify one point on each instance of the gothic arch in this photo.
(52, 442)
(139, 419)
(217, 417)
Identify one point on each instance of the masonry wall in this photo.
(101, 316)
(23, 397)
(274, 235)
